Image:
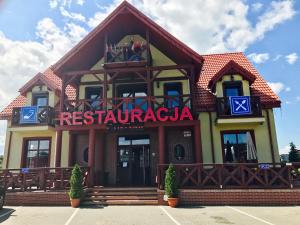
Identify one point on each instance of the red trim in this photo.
(123, 8)
(38, 80)
(232, 68)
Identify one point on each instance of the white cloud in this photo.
(71, 15)
(80, 2)
(259, 58)
(55, 3)
(278, 56)
(291, 58)
(256, 6)
(287, 89)
(277, 87)
(284, 150)
(23, 60)
(209, 26)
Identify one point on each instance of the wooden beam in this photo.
(197, 143)
(8, 150)
(58, 148)
(148, 47)
(91, 156)
(128, 69)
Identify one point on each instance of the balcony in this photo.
(134, 54)
(143, 103)
(45, 115)
(224, 114)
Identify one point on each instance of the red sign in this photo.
(124, 117)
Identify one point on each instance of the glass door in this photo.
(133, 165)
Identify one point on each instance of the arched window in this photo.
(179, 152)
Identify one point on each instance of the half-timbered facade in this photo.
(130, 97)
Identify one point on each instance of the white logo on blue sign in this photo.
(240, 105)
(28, 114)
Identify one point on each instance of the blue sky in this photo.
(34, 34)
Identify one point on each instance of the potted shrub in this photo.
(76, 191)
(171, 186)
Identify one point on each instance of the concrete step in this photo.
(100, 193)
(120, 202)
(129, 189)
(121, 197)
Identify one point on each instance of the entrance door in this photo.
(133, 166)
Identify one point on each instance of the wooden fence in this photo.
(245, 176)
(34, 179)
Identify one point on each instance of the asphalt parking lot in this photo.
(156, 215)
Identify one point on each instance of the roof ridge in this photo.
(225, 53)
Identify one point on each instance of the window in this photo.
(173, 91)
(235, 146)
(36, 153)
(137, 93)
(179, 152)
(232, 88)
(94, 94)
(133, 140)
(40, 99)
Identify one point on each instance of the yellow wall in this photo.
(53, 98)
(17, 144)
(159, 59)
(65, 149)
(260, 132)
(219, 85)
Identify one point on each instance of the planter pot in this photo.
(75, 202)
(173, 202)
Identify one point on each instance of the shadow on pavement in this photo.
(5, 213)
(190, 207)
(93, 207)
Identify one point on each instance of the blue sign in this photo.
(25, 170)
(28, 114)
(264, 166)
(240, 105)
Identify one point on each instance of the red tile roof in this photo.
(49, 79)
(205, 100)
(19, 101)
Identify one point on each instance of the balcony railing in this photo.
(224, 111)
(143, 103)
(133, 54)
(45, 115)
(229, 175)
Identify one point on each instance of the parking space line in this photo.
(71, 217)
(169, 215)
(249, 215)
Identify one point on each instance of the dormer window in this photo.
(232, 89)
(40, 99)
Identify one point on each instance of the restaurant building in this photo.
(130, 97)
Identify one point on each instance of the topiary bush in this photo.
(76, 180)
(171, 186)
